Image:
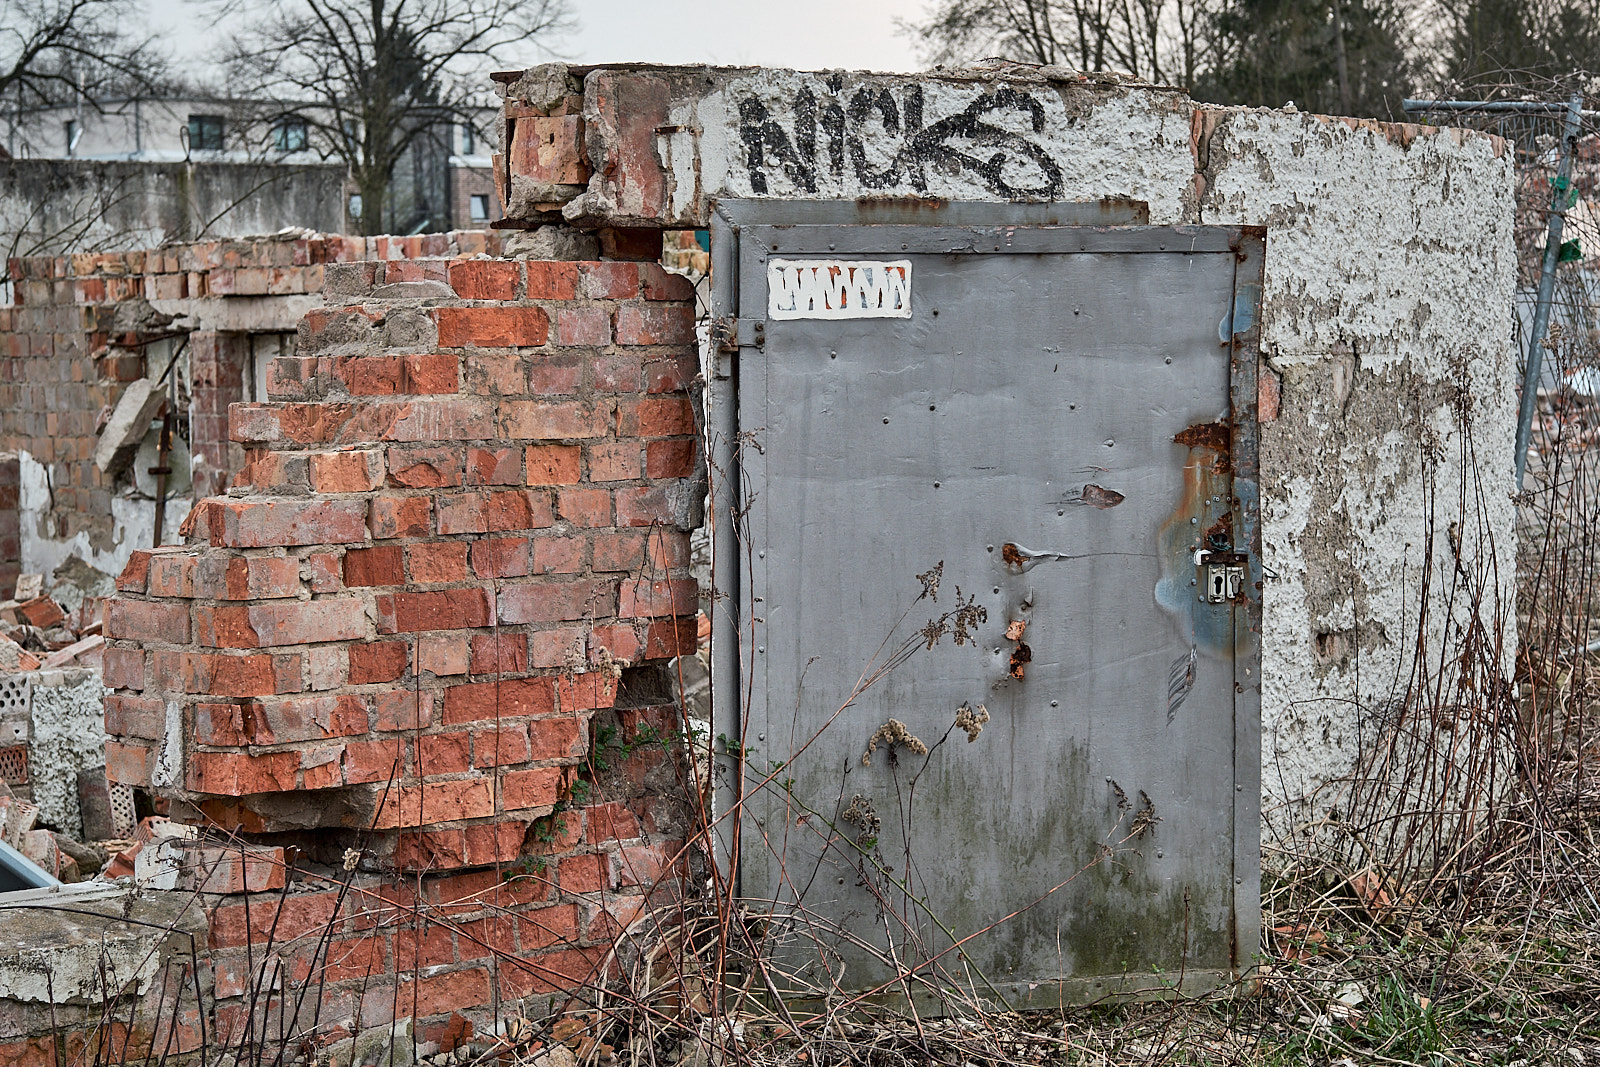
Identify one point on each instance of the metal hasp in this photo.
(979, 720)
(1562, 197)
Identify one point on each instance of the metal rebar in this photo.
(1547, 283)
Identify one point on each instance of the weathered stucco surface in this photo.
(1389, 409)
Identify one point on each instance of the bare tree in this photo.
(58, 50)
(366, 80)
(1162, 40)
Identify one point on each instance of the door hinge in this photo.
(729, 334)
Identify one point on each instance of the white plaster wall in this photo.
(133, 522)
(1388, 284)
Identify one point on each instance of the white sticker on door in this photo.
(838, 289)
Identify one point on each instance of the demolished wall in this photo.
(459, 546)
(51, 207)
(1388, 397)
(83, 328)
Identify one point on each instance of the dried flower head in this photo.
(930, 581)
(863, 816)
(893, 733)
(352, 857)
(971, 720)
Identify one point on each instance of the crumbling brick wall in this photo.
(78, 333)
(387, 660)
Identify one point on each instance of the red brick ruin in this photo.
(383, 673)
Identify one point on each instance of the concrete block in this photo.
(129, 423)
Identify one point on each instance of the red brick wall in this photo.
(403, 633)
(10, 531)
(69, 344)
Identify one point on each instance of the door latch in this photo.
(1221, 572)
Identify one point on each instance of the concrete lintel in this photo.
(241, 314)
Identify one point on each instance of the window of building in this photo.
(468, 140)
(205, 133)
(480, 207)
(72, 136)
(290, 135)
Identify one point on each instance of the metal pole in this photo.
(1547, 284)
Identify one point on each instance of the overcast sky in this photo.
(808, 35)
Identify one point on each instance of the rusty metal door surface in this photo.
(1039, 441)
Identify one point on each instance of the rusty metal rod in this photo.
(1547, 283)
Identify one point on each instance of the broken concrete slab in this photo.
(130, 422)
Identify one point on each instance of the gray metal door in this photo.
(1033, 449)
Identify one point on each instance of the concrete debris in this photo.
(130, 421)
(28, 587)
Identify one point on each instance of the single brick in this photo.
(610, 280)
(552, 280)
(671, 324)
(435, 802)
(235, 774)
(439, 562)
(378, 661)
(585, 507)
(554, 464)
(443, 654)
(661, 284)
(538, 787)
(503, 699)
(425, 468)
(583, 326)
(538, 420)
(619, 551)
(359, 471)
(499, 653)
(501, 557)
(130, 716)
(503, 745)
(556, 601)
(371, 761)
(446, 753)
(614, 461)
(128, 764)
(133, 620)
(647, 505)
(481, 279)
(456, 609)
(618, 373)
(430, 373)
(269, 524)
(493, 327)
(136, 574)
(670, 597)
(172, 575)
(558, 555)
(374, 566)
(517, 510)
(494, 466)
(401, 516)
(123, 668)
(669, 459)
(280, 623)
(665, 416)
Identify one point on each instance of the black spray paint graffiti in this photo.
(1011, 165)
